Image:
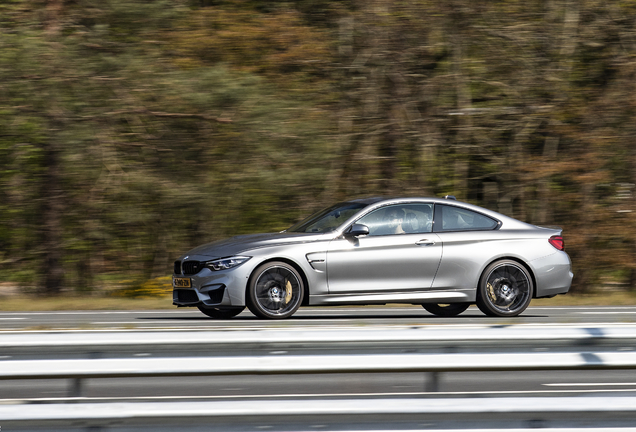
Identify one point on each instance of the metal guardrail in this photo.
(522, 336)
(607, 414)
(434, 365)
(77, 370)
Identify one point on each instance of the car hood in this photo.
(242, 243)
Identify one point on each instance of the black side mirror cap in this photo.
(357, 230)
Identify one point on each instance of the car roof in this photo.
(398, 199)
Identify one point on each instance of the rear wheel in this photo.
(446, 310)
(220, 312)
(275, 291)
(505, 289)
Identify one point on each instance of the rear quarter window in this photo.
(450, 218)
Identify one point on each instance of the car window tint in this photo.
(399, 219)
(459, 219)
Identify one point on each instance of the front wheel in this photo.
(275, 291)
(221, 313)
(446, 310)
(505, 289)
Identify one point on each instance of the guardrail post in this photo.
(432, 382)
(75, 388)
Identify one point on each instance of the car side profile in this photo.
(442, 254)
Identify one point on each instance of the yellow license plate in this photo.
(181, 282)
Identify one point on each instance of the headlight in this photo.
(226, 263)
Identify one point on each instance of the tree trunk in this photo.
(550, 150)
(53, 273)
(464, 104)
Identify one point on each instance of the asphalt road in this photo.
(190, 318)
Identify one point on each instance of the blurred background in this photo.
(133, 130)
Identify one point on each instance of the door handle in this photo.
(425, 242)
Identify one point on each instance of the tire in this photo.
(220, 312)
(275, 291)
(446, 310)
(505, 289)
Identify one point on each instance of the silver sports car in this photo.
(440, 253)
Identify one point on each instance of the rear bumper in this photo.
(553, 274)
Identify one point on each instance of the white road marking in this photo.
(163, 321)
(328, 310)
(608, 313)
(588, 384)
(579, 307)
(316, 395)
(157, 311)
(343, 325)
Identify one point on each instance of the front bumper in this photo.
(214, 295)
(213, 288)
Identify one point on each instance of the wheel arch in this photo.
(517, 260)
(296, 267)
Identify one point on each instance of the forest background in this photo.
(133, 130)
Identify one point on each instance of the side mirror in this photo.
(357, 230)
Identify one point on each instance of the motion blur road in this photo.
(190, 318)
(368, 385)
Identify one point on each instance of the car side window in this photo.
(399, 219)
(458, 219)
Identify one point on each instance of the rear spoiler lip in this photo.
(557, 230)
(550, 227)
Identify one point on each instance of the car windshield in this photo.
(328, 219)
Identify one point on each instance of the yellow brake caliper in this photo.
(288, 292)
(491, 292)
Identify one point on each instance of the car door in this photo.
(397, 255)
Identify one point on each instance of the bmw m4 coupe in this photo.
(442, 254)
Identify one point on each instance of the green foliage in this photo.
(146, 170)
(148, 127)
(157, 287)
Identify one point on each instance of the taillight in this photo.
(557, 242)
